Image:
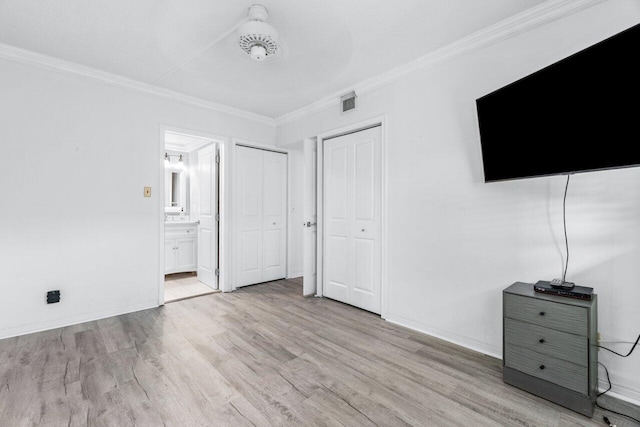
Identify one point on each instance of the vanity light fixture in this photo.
(178, 164)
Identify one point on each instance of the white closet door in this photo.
(250, 254)
(353, 226)
(274, 203)
(207, 231)
(262, 216)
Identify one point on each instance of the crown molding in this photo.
(527, 20)
(26, 57)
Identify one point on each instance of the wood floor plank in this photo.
(261, 356)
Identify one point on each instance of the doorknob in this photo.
(308, 224)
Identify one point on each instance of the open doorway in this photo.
(191, 226)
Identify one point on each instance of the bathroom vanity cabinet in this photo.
(180, 247)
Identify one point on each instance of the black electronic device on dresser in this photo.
(549, 346)
(578, 292)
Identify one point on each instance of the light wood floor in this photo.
(181, 286)
(260, 356)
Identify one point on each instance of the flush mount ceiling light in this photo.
(256, 38)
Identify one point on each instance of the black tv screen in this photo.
(579, 114)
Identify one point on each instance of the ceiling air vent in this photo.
(348, 101)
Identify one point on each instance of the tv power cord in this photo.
(606, 420)
(618, 354)
(562, 283)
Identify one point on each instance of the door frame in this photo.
(224, 280)
(320, 185)
(309, 214)
(235, 142)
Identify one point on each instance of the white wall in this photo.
(455, 243)
(76, 156)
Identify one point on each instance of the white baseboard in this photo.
(622, 388)
(622, 397)
(74, 320)
(446, 336)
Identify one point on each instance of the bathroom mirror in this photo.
(175, 184)
(174, 200)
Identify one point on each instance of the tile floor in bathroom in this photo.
(180, 286)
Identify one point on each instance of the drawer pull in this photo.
(542, 367)
(542, 313)
(541, 340)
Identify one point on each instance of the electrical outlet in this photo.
(599, 337)
(53, 297)
(147, 191)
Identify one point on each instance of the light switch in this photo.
(147, 191)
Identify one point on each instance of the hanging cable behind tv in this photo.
(562, 283)
(562, 287)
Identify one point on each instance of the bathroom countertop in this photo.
(185, 222)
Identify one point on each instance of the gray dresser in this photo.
(549, 346)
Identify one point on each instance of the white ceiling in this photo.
(178, 45)
(185, 143)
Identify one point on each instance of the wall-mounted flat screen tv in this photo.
(579, 114)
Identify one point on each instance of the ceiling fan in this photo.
(257, 38)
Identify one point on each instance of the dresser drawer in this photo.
(565, 374)
(565, 346)
(561, 317)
